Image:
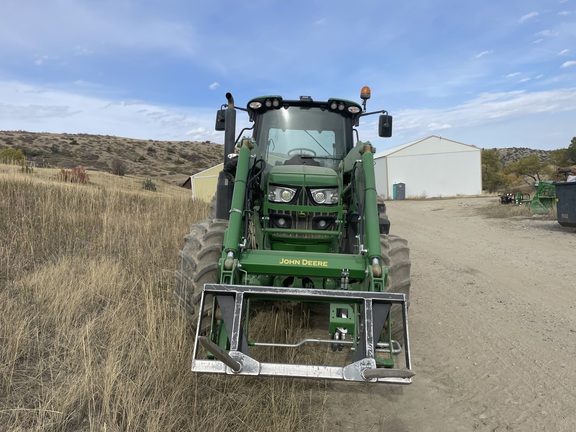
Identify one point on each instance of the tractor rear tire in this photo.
(199, 264)
(396, 256)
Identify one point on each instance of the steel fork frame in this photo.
(363, 369)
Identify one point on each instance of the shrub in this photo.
(149, 185)
(30, 152)
(118, 167)
(77, 174)
(10, 156)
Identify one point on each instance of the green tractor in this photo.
(298, 221)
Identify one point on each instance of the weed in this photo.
(75, 175)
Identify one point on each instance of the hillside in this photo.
(512, 154)
(169, 161)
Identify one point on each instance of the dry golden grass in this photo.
(505, 211)
(91, 337)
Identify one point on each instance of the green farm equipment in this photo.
(298, 224)
(543, 200)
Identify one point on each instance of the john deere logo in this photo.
(303, 262)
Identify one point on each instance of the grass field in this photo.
(91, 337)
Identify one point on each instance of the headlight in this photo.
(281, 220)
(281, 194)
(323, 222)
(325, 196)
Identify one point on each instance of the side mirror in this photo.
(220, 120)
(385, 126)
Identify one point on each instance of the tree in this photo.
(10, 156)
(493, 178)
(571, 152)
(529, 167)
(559, 158)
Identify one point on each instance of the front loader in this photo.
(298, 224)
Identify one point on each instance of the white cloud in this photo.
(37, 109)
(512, 75)
(437, 126)
(82, 51)
(523, 80)
(547, 33)
(214, 86)
(568, 64)
(565, 13)
(41, 109)
(203, 134)
(483, 53)
(487, 108)
(41, 60)
(528, 17)
(564, 51)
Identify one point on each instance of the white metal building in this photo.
(430, 167)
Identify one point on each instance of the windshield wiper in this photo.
(317, 142)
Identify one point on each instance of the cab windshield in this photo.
(303, 134)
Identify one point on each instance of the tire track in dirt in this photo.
(497, 319)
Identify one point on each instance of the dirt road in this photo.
(492, 325)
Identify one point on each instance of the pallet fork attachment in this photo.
(236, 360)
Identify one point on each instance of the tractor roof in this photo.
(347, 108)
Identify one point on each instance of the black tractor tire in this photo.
(199, 265)
(396, 256)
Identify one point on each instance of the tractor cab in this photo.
(303, 144)
(303, 132)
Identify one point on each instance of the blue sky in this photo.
(492, 73)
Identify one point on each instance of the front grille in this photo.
(320, 221)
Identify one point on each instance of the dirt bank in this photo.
(492, 324)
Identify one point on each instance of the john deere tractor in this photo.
(298, 221)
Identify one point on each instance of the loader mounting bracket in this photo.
(237, 359)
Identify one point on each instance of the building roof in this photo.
(201, 173)
(396, 149)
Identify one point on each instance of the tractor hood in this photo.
(303, 175)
